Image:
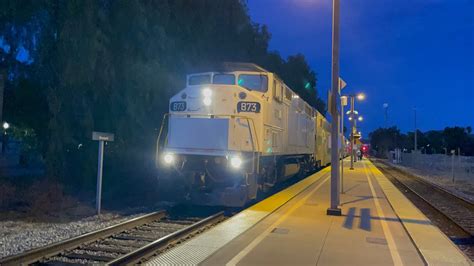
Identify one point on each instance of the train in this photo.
(236, 131)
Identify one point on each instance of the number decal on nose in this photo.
(178, 106)
(249, 107)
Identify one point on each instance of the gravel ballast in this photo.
(19, 236)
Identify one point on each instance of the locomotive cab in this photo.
(232, 133)
(213, 134)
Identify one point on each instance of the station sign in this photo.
(102, 136)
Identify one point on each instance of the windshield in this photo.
(199, 79)
(227, 79)
(255, 82)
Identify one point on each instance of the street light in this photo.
(353, 114)
(4, 136)
(360, 118)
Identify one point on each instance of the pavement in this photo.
(378, 226)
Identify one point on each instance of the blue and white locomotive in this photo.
(238, 131)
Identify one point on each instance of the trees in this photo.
(433, 141)
(111, 65)
(384, 140)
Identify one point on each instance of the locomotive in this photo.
(236, 131)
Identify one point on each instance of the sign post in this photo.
(101, 137)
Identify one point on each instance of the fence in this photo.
(448, 168)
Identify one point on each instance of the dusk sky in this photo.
(402, 52)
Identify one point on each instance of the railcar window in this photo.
(308, 110)
(199, 79)
(288, 94)
(227, 79)
(254, 82)
(277, 91)
(274, 88)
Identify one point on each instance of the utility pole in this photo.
(343, 144)
(352, 132)
(385, 107)
(416, 133)
(335, 196)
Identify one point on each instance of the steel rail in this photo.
(443, 191)
(436, 186)
(51, 250)
(149, 250)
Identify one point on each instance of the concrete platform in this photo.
(379, 226)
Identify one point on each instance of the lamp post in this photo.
(5, 126)
(343, 103)
(352, 117)
(416, 133)
(335, 196)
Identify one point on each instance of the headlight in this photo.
(207, 93)
(235, 162)
(207, 101)
(168, 158)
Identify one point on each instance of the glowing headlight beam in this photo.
(168, 158)
(207, 101)
(235, 162)
(206, 92)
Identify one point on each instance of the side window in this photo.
(308, 110)
(274, 88)
(277, 90)
(282, 92)
(274, 139)
(288, 94)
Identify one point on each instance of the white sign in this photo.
(342, 84)
(102, 136)
(344, 100)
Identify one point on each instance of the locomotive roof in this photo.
(233, 66)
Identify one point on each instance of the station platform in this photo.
(378, 226)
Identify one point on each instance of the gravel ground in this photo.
(461, 188)
(20, 236)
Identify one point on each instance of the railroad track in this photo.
(122, 244)
(458, 210)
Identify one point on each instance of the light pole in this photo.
(335, 196)
(352, 116)
(343, 103)
(352, 132)
(416, 141)
(4, 136)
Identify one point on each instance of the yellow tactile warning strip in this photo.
(434, 246)
(277, 200)
(199, 248)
